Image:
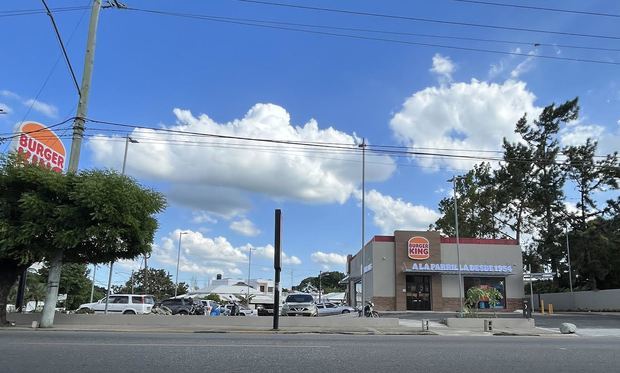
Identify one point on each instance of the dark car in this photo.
(181, 306)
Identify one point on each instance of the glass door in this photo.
(418, 291)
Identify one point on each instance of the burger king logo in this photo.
(418, 248)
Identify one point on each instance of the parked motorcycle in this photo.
(368, 310)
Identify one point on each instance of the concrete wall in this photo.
(484, 254)
(383, 269)
(601, 300)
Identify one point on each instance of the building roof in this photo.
(462, 240)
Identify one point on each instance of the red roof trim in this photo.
(383, 239)
(480, 241)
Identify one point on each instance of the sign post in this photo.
(277, 265)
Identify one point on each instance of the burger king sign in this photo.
(418, 248)
(38, 144)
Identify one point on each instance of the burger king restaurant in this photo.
(419, 271)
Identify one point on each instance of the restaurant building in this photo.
(418, 270)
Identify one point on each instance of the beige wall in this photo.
(383, 269)
(484, 254)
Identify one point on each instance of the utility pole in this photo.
(176, 285)
(131, 279)
(458, 251)
(277, 266)
(92, 287)
(53, 280)
(127, 141)
(146, 277)
(249, 271)
(363, 146)
(570, 272)
(320, 285)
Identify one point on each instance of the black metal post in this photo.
(278, 267)
(21, 291)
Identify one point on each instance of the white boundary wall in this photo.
(600, 300)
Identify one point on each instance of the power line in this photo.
(62, 47)
(27, 12)
(38, 130)
(540, 8)
(386, 32)
(428, 20)
(361, 37)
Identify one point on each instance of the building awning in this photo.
(348, 278)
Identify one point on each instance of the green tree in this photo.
(590, 176)
(547, 197)
(157, 282)
(91, 216)
(74, 282)
(329, 282)
(477, 206)
(514, 183)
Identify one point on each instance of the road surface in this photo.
(56, 351)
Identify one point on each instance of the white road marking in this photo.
(163, 345)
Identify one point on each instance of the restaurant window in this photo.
(498, 283)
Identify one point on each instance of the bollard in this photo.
(35, 324)
(542, 307)
(425, 324)
(488, 325)
(550, 309)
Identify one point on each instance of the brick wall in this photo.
(384, 303)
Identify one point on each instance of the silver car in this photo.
(326, 309)
(299, 305)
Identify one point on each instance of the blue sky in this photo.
(196, 75)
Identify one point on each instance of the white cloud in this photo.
(5, 109)
(201, 217)
(328, 260)
(268, 252)
(443, 67)
(475, 115)
(48, 110)
(524, 66)
(245, 227)
(200, 254)
(8, 94)
(576, 135)
(215, 170)
(392, 214)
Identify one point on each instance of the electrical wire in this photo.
(361, 37)
(428, 20)
(386, 32)
(520, 6)
(62, 47)
(27, 12)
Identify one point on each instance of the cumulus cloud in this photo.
(200, 254)
(475, 115)
(268, 252)
(245, 227)
(390, 214)
(443, 67)
(578, 134)
(328, 260)
(48, 110)
(211, 170)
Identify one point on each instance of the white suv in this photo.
(127, 304)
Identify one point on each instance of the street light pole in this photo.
(127, 141)
(458, 251)
(176, 286)
(320, 274)
(92, 288)
(570, 272)
(249, 276)
(363, 146)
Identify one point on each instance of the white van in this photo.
(127, 304)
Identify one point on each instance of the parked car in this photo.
(326, 309)
(299, 304)
(182, 306)
(127, 304)
(243, 310)
(264, 309)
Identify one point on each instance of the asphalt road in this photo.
(55, 351)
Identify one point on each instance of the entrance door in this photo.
(418, 293)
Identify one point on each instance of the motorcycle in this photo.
(368, 310)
